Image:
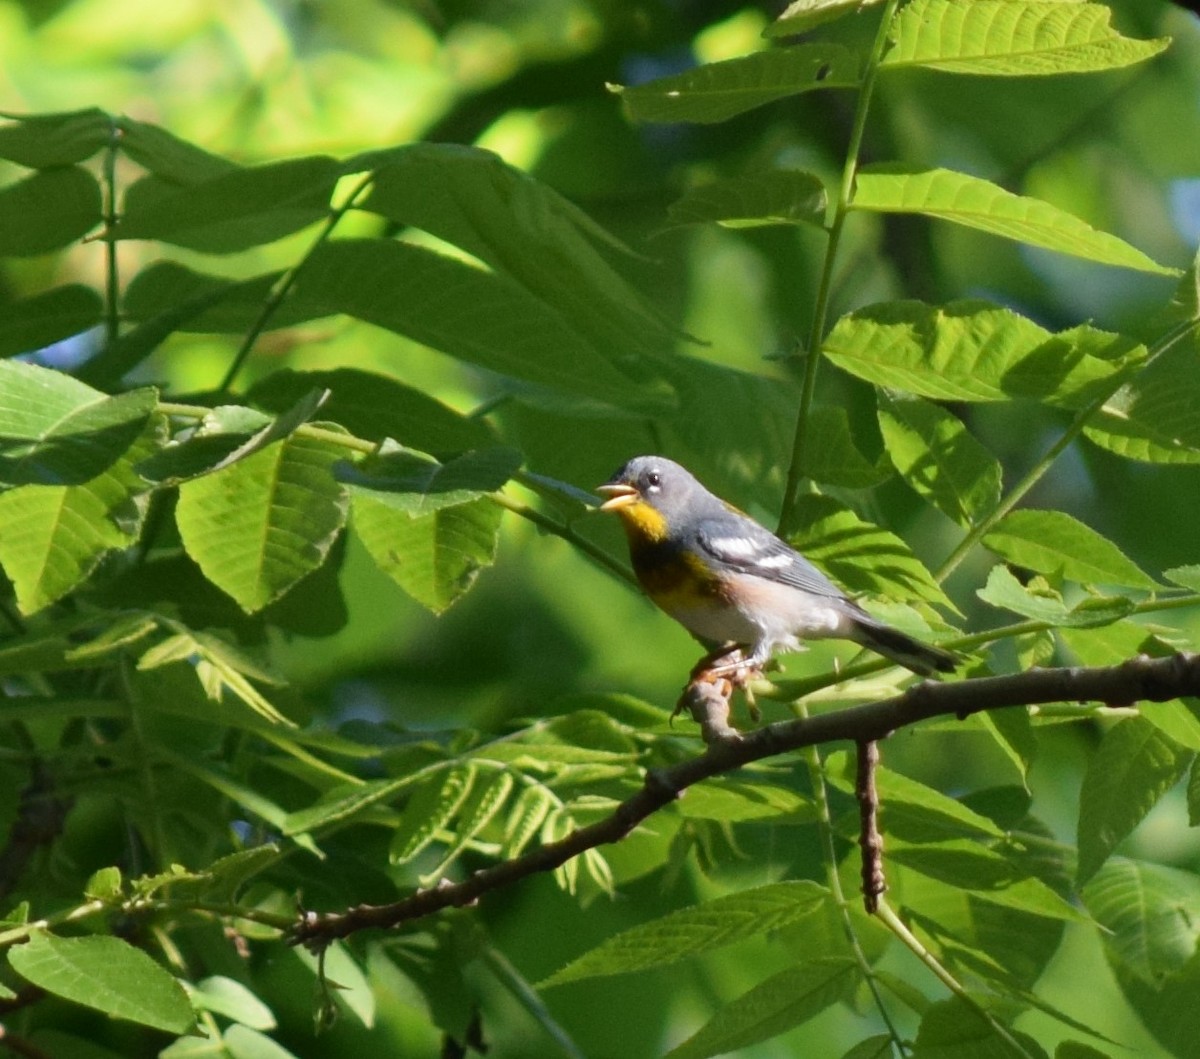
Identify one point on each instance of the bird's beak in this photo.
(619, 495)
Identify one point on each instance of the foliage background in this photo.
(261, 81)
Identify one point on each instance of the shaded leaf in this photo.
(1134, 766)
(977, 203)
(417, 485)
(938, 457)
(49, 209)
(1053, 543)
(953, 1029)
(831, 456)
(228, 997)
(166, 155)
(1016, 38)
(776, 196)
(42, 141)
(48, 317)
(431, 808)
(106, 974)
(722, 90)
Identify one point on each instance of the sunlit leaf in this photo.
(802, 15)
(977, 203)
(429, 810)
(721, 90)
(418, 485)
(1135, 764)
(831, 455)
(1017, 38)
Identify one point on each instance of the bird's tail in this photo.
(902, 649)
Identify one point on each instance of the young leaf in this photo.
(233, 210)
(429, 810)
(692, 931)
(436, 557)
(1055, 544)
(936, 455)
(1134, 766)
(55, 535)
(1015, 38)
(106, 974)
(258, 526)
(527, 815)
(45, 141)
(50, 209)
(962, 351)
(977, 203)
(776, 196)
(54, 430)
(784, 1000)
(859, 555)
(48, 317)
(722, 90)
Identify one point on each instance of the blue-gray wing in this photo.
(750, 549)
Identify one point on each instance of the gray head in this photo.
(649, 485)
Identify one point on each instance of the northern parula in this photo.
(731, 581)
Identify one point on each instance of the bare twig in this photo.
(1141, 678)
(870, 841)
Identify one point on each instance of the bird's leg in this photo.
(727, 667)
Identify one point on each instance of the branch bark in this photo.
(1138, 679)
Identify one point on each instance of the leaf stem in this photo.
(288, 280)
(841, 209)
(982, 528)
(112, 276)
(913, 943)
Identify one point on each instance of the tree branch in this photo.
(1140, 678)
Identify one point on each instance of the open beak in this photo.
(619, 495)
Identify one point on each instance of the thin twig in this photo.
(870, 841)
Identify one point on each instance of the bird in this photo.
(733, 583)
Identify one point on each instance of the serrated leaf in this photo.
(734, 801)
(484, 318)
(416, 485)
(956, 352)
(977, 203)
(54, 536)
(938, 457)
(486, 799)
(1175, 720)
(429, 810)
(376, 407)
(1039, 602)
(1186, 576)
(526, 817)
(48, 317)
(103, 885)
(49, 209)
(1150, 914)
(784, 1000)
(232, 210)
(776, 196)
(1155, 417)
(258, 526)
(722, 90)
(54, 430)
(1055, 544)
(435, 558)
(1016, 38)
(689, 932)
(1133, 767)
(802, 15)
(105, 974)
(43, 141)
(859, 555)
(1075, 367)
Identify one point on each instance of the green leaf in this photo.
(166, 296)
(484, 318)
(417, 485)
(953, 1029)
(55, 430)
(877, 1047)
(734, 801)
(938, 457)
(104, 885)
(830, 454)
(527, 231)
(229, 998)
(49, 209)
(435, 557)
(430, 809)
(1187, 576)
(106, 974)
(44, 141)
(525, 819)
(1076, 1050)
(49, 317)
(1075, 367)
(244, 1042)
(233, 210)
(962, 351)
(1055, 544)
(55, 535)
(1175, 720)
(1038, 601)
(976, 203)
(776, 196)
(1134, 766)
(258, 526)
(722, 90)
(802, 15)
(859, 555)
(486, 799)
(164, 154)
(689, 932)
(784, 1000)
(1150, 914)
(375, 407)
(1156, 416)
(1016, 38)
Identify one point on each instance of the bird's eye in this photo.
(654, 479)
